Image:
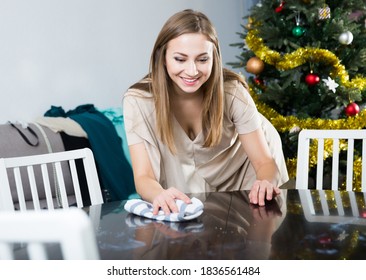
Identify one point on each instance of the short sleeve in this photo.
(243, 111)
(133, 119)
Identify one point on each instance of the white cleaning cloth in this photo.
(186, 211)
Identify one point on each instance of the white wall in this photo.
(72, 52)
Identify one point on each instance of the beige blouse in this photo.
(194, 168)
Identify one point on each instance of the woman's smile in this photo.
(190, 81)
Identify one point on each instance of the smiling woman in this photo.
(192, 126)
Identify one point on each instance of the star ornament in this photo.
(331, 84)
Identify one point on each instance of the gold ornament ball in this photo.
(255, 65)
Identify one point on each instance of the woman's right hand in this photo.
(165, 201)
(148, 187)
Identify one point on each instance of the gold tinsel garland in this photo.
(292, 123)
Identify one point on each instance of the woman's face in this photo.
(189, 59)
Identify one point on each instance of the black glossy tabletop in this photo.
(300, 224)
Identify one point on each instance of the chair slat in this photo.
(320, 167)
(6, 199)
(335, 164)
(33, 187)
(75, 181)
(349, 173)
(61, 183)
(353, 202)
(324, 203)
(19, 187)
(37, 251)
(47, 187)
(339, 203)
(91, 177)
(303, 163)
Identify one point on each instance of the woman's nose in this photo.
(191, 69)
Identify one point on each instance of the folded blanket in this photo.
(186, 211)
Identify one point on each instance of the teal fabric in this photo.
(115, 115)
(114, 169)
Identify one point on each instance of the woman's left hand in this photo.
(261, 191)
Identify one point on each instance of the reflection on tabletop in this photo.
(322, 224)
(298, 225)
(229, 228)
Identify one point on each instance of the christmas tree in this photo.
(308, 64)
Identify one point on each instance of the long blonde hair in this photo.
(187, 21)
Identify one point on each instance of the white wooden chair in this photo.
(343, 139)
(48, 178)
(70, 230)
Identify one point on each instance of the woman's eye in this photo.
(203, 59)
(179, 59)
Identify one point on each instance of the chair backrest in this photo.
(329, 143)
(39, 179)
(35, 232)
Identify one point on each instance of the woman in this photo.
(192, 126)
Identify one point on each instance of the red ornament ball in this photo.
(312, 79)
(258, 81)
(325, 240)
(363, 213)
(352, 109)
(280, 7)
